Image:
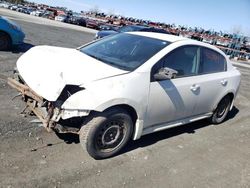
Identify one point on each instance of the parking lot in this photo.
(194, 155)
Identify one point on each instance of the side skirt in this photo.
(163, 126)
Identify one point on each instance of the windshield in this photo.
(124, 51)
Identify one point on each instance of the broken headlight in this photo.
(68, 91)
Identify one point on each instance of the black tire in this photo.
(5, 41)
(105, 134)
(220, 113)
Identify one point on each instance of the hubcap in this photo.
(222, 107)
(110, 136)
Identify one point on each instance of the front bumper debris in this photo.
(49, 113)
(43, 109)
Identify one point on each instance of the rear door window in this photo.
(211, 62)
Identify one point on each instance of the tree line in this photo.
(16, 1)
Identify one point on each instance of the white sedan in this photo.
(60, 18)
(125, 86)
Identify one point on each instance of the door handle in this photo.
(194, 87)
(223, 82)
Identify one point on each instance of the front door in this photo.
(174, 99)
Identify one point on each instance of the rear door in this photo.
(212, 78)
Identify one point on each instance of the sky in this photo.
(220, 15)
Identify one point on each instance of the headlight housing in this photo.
(68, 91)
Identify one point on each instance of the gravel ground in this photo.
(194, 155)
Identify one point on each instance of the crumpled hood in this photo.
(47, 69)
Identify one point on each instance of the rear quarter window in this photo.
(211, 62)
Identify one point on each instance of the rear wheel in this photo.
(106, 133)
(221, 111)
(5, 41)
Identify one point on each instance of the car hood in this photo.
(47, 70)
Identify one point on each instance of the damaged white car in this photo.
(125, 86)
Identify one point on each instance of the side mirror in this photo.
(165, 74)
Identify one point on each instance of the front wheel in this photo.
(221, 111)
(105, 134)
(5, 41)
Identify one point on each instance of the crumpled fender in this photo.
(106, 93)
(85, 100)
(100, 101)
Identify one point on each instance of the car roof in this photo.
(160, 36)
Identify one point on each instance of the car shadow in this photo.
(190, 128)
(153, 138)
(68, 138)
(21, 48)
(232, 113)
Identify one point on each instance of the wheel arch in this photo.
(131, 110)
(2, 31)
(231, 95)
(136, 118)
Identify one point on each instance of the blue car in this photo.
(10, 34)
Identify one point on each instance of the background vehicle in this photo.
(10, 34)
(81, 21)
(107, 27)
(28, 10)
(76, 20)
(38, 13)
(129, 28)
(4, 5)
(13, 7)
(125, 86)
(47, 14)
(246, 46)
(20, 8)
(61, 18)
(90, 23)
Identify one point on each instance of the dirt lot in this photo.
(194, 155)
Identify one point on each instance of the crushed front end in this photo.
(49, 113)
